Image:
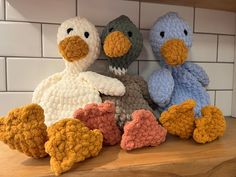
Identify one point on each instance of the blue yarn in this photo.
(174, 84)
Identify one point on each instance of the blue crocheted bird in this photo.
(179, 86)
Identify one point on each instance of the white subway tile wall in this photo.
(23, 74)
(204, 48)
(214, 21)
(223, 101)
(9, 100)
(20, 39)
(50, 40)
(102, 11)
(28, 49)
(226, 48)
(53, 11)
(150, 12)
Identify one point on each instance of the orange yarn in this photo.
(73, 48)
(24, 129)
(174, 52)
(142, 131)
(210, 126)
(179, 119)
(116, 44)
(100, 116)
(70, 142)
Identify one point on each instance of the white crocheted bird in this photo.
(64, 92)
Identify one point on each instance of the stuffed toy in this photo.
(122, 43)
(179, 86)
(65, 139)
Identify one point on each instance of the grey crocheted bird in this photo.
(122, 43)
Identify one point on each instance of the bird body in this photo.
(62, 93)
(179, 87)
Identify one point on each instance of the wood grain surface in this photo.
(175, 158)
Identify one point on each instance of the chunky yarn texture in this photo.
(134, 107)
(24, 129)
(62, 93)
(70, 142)
(102, 117)
(136, 97)
(178, 88)
(142, 131)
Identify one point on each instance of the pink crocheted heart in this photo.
(102, 117)
(142, 131)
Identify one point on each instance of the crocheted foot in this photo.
(102, 117)
(142, 131)
(24, 129)
(210, 126)
(70, 142)
(179, 119)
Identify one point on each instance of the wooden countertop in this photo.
(172, 159)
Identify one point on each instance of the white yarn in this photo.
(62, 93)
(117, 71)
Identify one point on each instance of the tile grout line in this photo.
(138, 68)
(22, 21)
(41, 40)
(47, 57)
(6, 74)
(193, 19)
(139, 14)
(76, 7)
(215, 98)
(147, 29)
(4, 10)
(217, 48)
(221, 90)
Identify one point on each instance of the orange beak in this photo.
(116, 44)
(174, 51)
(73, 48)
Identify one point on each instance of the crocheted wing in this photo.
(198, 72)
(144, 88)
(161, 86)
(105, 85)
(24, 129)
(44, 85)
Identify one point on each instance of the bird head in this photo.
(78, 42)
(170, 39)
(122, 42)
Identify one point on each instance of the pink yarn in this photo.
(142, 131)
(102, 117)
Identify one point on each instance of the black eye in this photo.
(110, 30)
(130, 34)
(69, 30)
(185, 32)
(86, 34)
(162, 34)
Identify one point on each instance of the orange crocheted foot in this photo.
(179, 119)
(210, 126)
(102, 117)
(142, 131)
(70, 142)
(24, 129)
